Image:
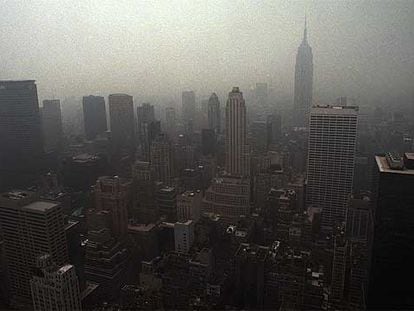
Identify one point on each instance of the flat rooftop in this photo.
(332, 109)
(141, 227)
(384, 167)
(40, 206)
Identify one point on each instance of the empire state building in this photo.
(303, 82)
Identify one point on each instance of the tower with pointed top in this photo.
(237, 157)
(303, 82)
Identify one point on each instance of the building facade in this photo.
(21, 138)
(189, 205)
(188, 110)
(303, 82)
(228, 197)
(392, 270)
(237, 156)
(331, 159)
(94, 116)
(161, 159)
(113, 194)
(52, 125)
(214, 113)
(121, 113)
(54, 287)
(30, 228)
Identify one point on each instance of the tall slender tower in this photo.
(303, 82)
(21, 142)
(30, 228)
(52, 125)
(94, 116)
(237, 160)
(121, 110)
(331, 159)
(214, 113)
(188, 110)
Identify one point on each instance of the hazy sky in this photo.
(146, 48)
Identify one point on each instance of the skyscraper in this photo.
(161, 159)
(331, 157)
(237, 157)
(94, 116)
(183, 236)
(171, 123)
(261, 95)
(228, 197)
(113, 194)
(392, 270)
(54, 287)
(52, 125)
(121, 112)
(21, 143)
(303, 82)
(145, 115)
(214, 113)
(188, 110)
(30, 228)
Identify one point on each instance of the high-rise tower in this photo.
(188, 110)
(303, 82)
(213, 112)
(237, 159)
(94, 116)
(121, 112)
(21, 142)
(331, 158)
(52, 125)
(30, 228)
(392, 270)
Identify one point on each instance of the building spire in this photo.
(305, 32)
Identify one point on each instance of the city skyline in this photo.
(197, 53)
(160, 192)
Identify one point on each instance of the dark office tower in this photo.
(20, 133)
(259, 132)
(30, 228)
(359, 232)
(237, 157)
(250, 267)
(274, 129)
(145, 115)
(331, 159)
(188, 110)
(161, 159)
(113, 194)
(121, 111)
(214, 113)
(94, 116)
(303, 82)
(52, 125)
(261, 95)
(170, 123)
(340, 253)
(143, 210)
(166, 198)
(208, 141)
(54, 285)
(392, 269)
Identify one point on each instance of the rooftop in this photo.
(385, 167)
(332, 109)
(64, 269)
(16, 195)
(41, 206)
(141, 227)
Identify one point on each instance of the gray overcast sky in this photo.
(79, 47)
